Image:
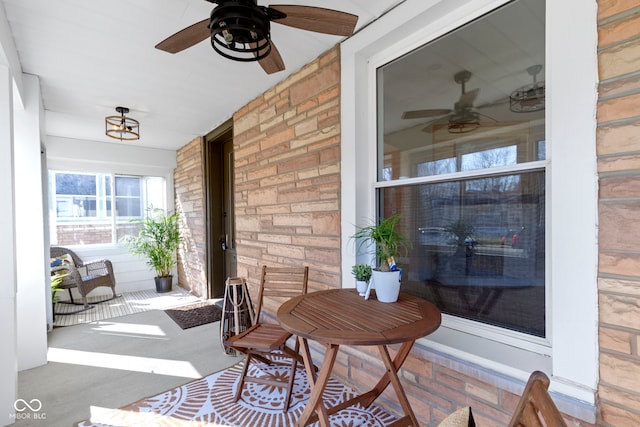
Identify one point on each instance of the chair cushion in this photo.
(460, 418)
(65, 259)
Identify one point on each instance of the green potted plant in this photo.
(57, 278)
(389, 243)
(158, 240)
(463, 231)
(362, 273)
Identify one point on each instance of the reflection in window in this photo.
(478, 247)
(462, 79)
(455, 114)
(485, 159)
(128, 196)
(436, 167)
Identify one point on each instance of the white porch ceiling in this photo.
(92, 56)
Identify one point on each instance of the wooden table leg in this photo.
(392, 374)
(401, 356)
(318, 384)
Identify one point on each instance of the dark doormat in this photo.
(197, 314)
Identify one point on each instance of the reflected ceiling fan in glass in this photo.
(531, 97)
(464, 102)
(466, 121)
(463, 117)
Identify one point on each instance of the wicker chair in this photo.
(83, 276)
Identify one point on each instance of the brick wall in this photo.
(189, 202)
(618, 144)
(287, 176)
(91, 234)
(84, 234)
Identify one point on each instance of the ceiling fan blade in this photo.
(186, 37)
(467, 98)
(273, 62)
(318, 19)
(421, 114)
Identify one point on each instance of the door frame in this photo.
(213, 158)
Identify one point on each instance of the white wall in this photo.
(81, 155)
(8, 348)
(32, 270)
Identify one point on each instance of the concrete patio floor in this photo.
(111, 362)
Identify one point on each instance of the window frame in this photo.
(106, 201)
(571, 208)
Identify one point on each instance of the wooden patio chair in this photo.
(536, 408)
(267, 342)
(85, 276)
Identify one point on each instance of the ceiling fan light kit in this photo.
(122, 127)
(241, 30)
(464, 122)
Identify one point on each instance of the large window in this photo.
(539, 174)
(463, 116)
(81, 205)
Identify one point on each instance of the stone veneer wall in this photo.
(189, 202)
(287, 176)
(618, 150)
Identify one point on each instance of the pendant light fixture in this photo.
(240, 30)
(464, 121)
(529, 98)
(122, 127)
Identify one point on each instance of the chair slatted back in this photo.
(536, 408)
(281, 283)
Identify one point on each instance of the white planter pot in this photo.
(387, 285)
(361, 287)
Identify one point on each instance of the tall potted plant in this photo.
(389, 243)
(158, 240)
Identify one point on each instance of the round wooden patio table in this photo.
(342, 317)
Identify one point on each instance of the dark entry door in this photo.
(221, 255)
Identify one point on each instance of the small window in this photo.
(82, 205)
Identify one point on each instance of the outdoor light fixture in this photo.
(122, 127)
(240, 30)
(463, 122)
(528, 98)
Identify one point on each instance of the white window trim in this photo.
(571, 74)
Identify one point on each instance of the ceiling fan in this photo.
(463, 117)
(240, 29)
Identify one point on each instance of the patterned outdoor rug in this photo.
(209, 401)
(189, 316)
